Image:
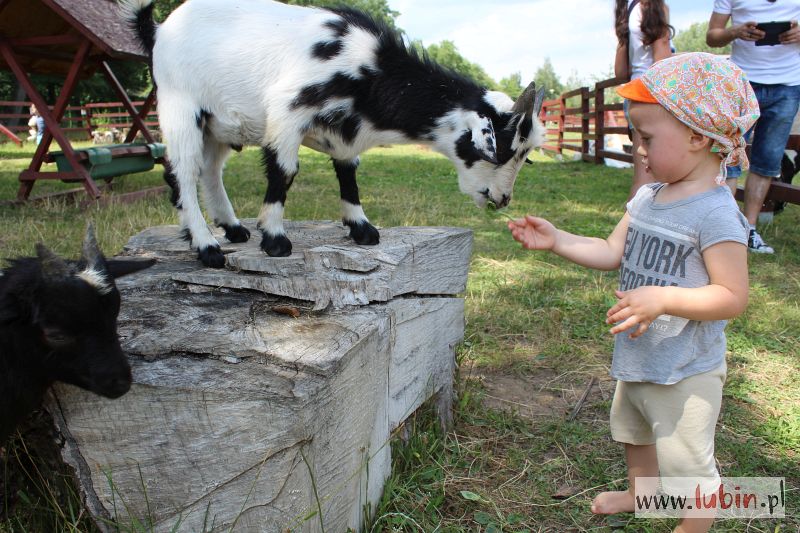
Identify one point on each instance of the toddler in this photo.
(681, 250)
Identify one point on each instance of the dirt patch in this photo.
(544, 393)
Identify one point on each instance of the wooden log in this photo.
(243, 419)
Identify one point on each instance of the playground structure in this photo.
(74, 40)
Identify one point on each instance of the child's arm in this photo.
(724, 297)
(602, 254)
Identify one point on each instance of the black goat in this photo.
(58, 322)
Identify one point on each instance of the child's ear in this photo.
(698, 141)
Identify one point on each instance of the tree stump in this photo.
(246, 417)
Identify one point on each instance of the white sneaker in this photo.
(757, 245)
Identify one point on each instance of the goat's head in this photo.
(74, 312)
(488, 149)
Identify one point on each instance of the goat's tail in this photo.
(139, 16)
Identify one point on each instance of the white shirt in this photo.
(779, 64)
(640, 56)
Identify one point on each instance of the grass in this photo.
(534, 322)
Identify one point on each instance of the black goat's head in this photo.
(73, 312)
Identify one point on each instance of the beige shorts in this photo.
(679, 419)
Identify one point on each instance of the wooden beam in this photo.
(138, 123)
(143, 112)
(10, 134)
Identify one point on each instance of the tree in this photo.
(693, 39)
(546, 77)
(512, 85)
(377, 8)
(447, 55)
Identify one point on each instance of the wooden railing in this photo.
(582, 129)
(579, 121)
(87, 118)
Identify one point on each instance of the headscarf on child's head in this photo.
(709, 94)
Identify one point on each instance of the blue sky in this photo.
(507, 36)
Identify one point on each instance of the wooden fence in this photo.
(579, 120)
(84, 119)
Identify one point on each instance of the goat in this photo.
(237, 72)
(58, 322)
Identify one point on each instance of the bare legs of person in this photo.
(756, 188)
(642, 462)
(640, 174)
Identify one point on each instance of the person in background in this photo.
(36, 125)
(774, 73)
(643, 37)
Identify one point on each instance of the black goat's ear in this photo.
(91, 251)
(53, 267)
(122, 267)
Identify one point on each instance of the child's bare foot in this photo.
(613, 503)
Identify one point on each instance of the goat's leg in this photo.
(353, 215)
(270, 221)
(216, 199)
(184, 139)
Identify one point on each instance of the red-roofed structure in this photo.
(73, 38)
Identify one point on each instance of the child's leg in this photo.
(642, 462)
(628, 426)
(686, 414)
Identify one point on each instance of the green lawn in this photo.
(535, 337)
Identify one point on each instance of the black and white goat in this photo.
(236, 72)
(58, 322)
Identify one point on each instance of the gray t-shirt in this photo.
(664, 247)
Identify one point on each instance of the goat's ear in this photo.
(53, 267)
(91, 251)
(122, 267)
(484, 142)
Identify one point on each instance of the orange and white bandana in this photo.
(709, 94)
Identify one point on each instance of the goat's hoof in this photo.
(276, 245)
(211, 256)
(237, 233)
(363, 233)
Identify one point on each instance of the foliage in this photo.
(512, 85)
(693, 39)
(447, 55)
(546, 77)
(377, 8)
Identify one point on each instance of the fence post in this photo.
(585, 121)
(599, 122)
(562, 110)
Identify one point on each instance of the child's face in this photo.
(665, 142)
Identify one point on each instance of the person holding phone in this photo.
(765, 44)
(643, 37)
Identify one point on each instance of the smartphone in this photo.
(772, 30)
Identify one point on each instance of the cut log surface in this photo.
(244, 419)
(326, 267)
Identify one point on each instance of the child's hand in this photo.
(639, 307)
(533, 232)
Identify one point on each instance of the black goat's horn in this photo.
(53, 267)
(91, 251)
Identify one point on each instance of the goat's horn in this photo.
(53, 267)
(524, 103)
(91, 251)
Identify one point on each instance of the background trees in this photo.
(136, 77)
